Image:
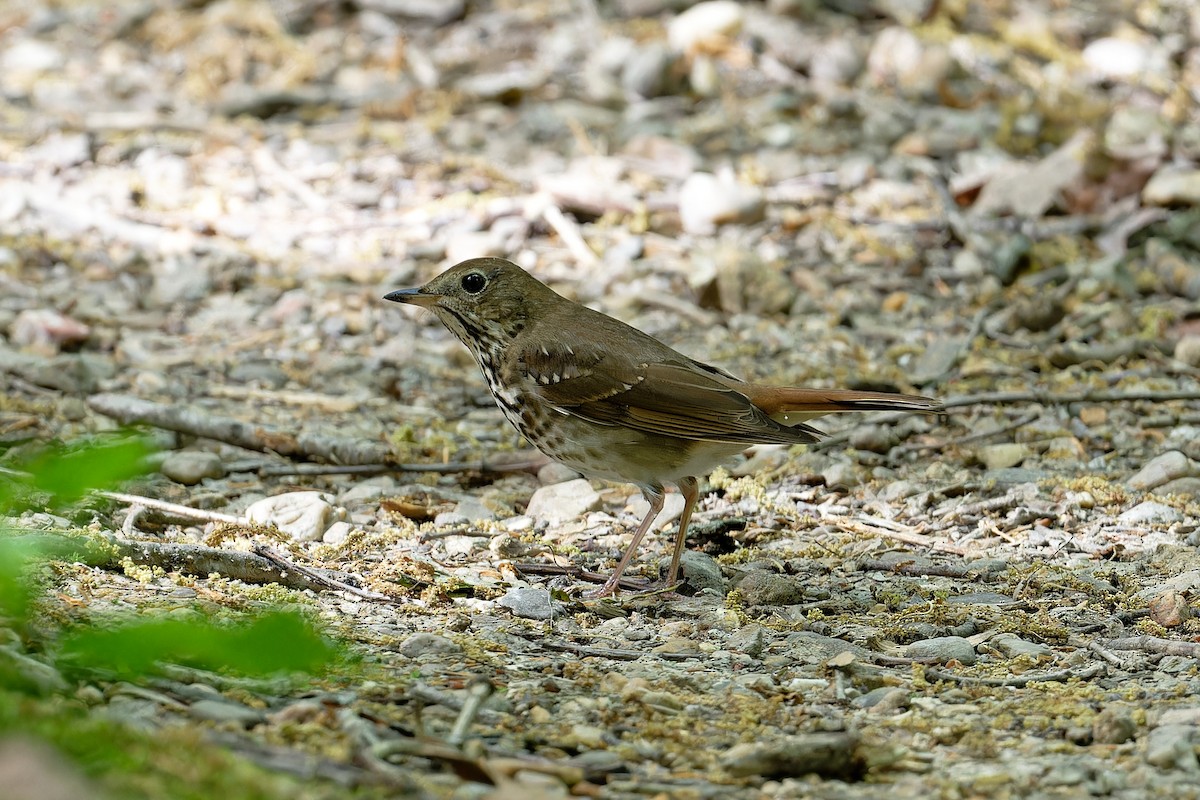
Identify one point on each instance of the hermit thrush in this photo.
(606, 399)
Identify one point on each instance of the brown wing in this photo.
(670, 398)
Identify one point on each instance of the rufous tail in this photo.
(790, 406)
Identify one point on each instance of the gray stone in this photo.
(530, 603)
(554, 473)
(189, 467)
(1172, 747)
(1150, 513)
(647, 73)
(226, 711)
(699, 571)
(563, 502)
(833, 754)
(1113, 726)
(943, 649)
(420, 644)
(761, 588)
(1011, 646)
(1162, 468)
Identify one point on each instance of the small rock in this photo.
(883, 700)
(563, 502)
(832, 755)
(943, 649)
(528, 603)
(337, 533)
(1171, 747)
(705, 25)
(1010, 646)
(304, 516)
(472, 509)
(647, 73)
(1002, 456)
(1172, 185)
(29, 674)
(761, 588)
(1170, 609)
(672, 509)
(1150, 513)
(554, 473)
(1113, 726)
(189, 467)
(1187, 350)
(1179, 486)
(226, 711)
(699, 571)
(46, 331)
(1162, 468)
(420, 644)
(1111, 58)
(840, 475)
(708, 201)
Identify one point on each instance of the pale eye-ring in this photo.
(473, 282)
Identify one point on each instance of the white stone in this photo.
(304, 516)
(705, 23)
(1116, 58)
(562, 502)
(1150, 513)
(708, 201)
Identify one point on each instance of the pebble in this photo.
(647, 72)
(1172, 747)
(528, 603)
(1162, 468)
(189, 467)
(1150, 513)
(46, 331)
(304, 516)
(1113, 726)
(337, 533)
(226, 711)
(943, 649)
(832, 754)
(1010, 646)
(555, 472)
(1187, 350)
(708, 201)
(1170, 609)
(705, 25)
(1172, 185)
(1002, 456)
(671, 511)
(29, 674)
(699, 571)
(841, 475)
(562, 502)
(1113, 58)
(421, 644)
(761, 588)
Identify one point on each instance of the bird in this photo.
(614, 403)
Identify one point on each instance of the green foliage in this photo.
(64, 474)
(278, 641)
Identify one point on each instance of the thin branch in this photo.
(1066, 398)
(1155, 644)
(289, 566)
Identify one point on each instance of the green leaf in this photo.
(66, 474)
(272, 643)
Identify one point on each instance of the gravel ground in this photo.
(202, 203)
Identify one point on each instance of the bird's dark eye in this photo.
(473, 282)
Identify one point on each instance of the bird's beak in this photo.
(414, 297)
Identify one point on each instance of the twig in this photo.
(109, 552)
(862, 527)
(1155, 644)
(974, 437)
(332, 583)
(1016, 680)
(174, 509)
(193, 421)
(484, 465)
